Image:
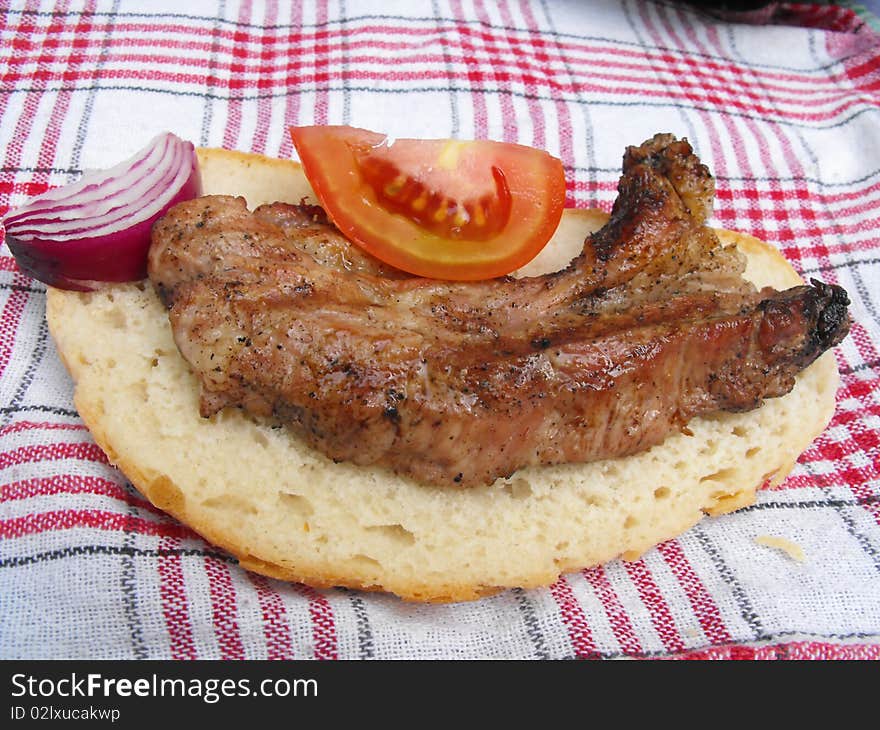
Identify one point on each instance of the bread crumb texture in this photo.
(286, 511)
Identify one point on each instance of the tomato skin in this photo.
(335, 158)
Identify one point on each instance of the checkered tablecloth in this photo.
(783, 106)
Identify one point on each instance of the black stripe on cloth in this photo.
(530, 619)
(345, 61)
(851, 263)
(799, 178)
(35, 289)
(454, 116)
(56, 410)
(82, 128)
(528, 96)
(829, 503)
(862, 287)
(366, 646)
(869, 365)
(36, 356)
(212, 66)
(615, 42)
(746, 610)
(76, 551)
(128, 583)
(42, 170)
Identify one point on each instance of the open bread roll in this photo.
(286, 511)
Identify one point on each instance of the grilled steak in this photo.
(462, 383)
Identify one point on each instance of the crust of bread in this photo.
(285, 511)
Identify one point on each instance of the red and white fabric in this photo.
(786, 113)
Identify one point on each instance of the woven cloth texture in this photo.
(784, 108)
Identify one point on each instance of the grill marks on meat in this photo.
(461, 383)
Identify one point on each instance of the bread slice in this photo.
(286, 511)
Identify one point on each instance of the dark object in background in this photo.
(735, 5)
(739, 11)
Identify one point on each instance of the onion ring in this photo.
(97, 230)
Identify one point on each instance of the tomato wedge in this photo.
(439, 208)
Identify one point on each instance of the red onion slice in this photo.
(97, 229)
(74, 200)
